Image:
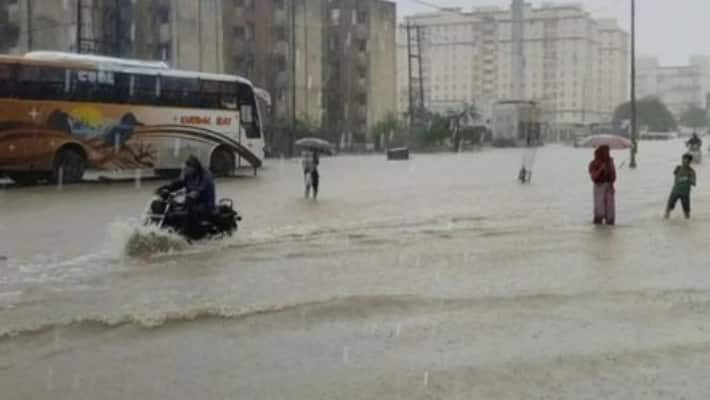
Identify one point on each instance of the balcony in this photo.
(361, 114)
(280, 17)
(13, 14)
(164, 33)
(361, 85)
(362, 32)
(239, 46)
(281, 47)
(282, 80)
(362, 60)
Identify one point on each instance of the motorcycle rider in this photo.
(199, 187)
(694, 142)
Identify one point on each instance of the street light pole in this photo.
(634, 127)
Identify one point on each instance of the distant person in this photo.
(603, 174)
(525, 175)
(315, 176)
(310, 173)
(684, 181)
(694, 142)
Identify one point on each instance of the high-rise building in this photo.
(679, 86)
(360, 67)
(187, 34)
(90, 26)
(329, 62)
(572, 64)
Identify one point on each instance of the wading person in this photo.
(603, 174)
(310, 173)
(315, 176)
(684, 181)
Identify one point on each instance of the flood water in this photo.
(435, 278)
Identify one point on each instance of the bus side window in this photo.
(121, 91)
(7, 80)
(210, 94)
(82, 90)
(179, 92)
(41, 83)
(144, 88)
(228, 96)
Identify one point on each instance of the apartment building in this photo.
(92, 26)
(331, 62)
(573, 65)
(679, 86)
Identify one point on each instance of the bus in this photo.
(64, 113)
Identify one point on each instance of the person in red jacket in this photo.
(603, 174)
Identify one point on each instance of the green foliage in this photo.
(474, 134)
(651, 112)
(435, 132)
(694, 117)
(387, 125)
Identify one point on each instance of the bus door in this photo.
(249, 121)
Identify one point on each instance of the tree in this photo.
(651, 112)
(694, 117)
(283, 132)
(435, 132)
(385, 129)
(459, 120)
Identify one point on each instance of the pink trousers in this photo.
(604, 203)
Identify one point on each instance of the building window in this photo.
(280, 33)
(362, 45)
(163, 14)
(335, 17)
(239, 32)
(164, 51)
(362, 17)
(243, 3)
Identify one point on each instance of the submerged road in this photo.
(435, 278)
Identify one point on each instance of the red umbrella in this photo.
(614, 142)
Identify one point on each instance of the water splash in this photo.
(130, 238)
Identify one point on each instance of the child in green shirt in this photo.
(684, 181)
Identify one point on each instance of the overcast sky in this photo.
(670, 29)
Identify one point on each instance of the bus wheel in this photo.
(222, 162)
(69, 166)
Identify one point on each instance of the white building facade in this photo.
(679, 87)
(575, 66)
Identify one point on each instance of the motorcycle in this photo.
(168, 211)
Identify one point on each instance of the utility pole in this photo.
(634, 127)
(292, 131)
(29, 25)
(421, 69)
(79, 25)
(409, 74)
(414, 53)
(518, 49)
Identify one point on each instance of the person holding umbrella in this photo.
(313, 147)
(603, 174)
(310, 172)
